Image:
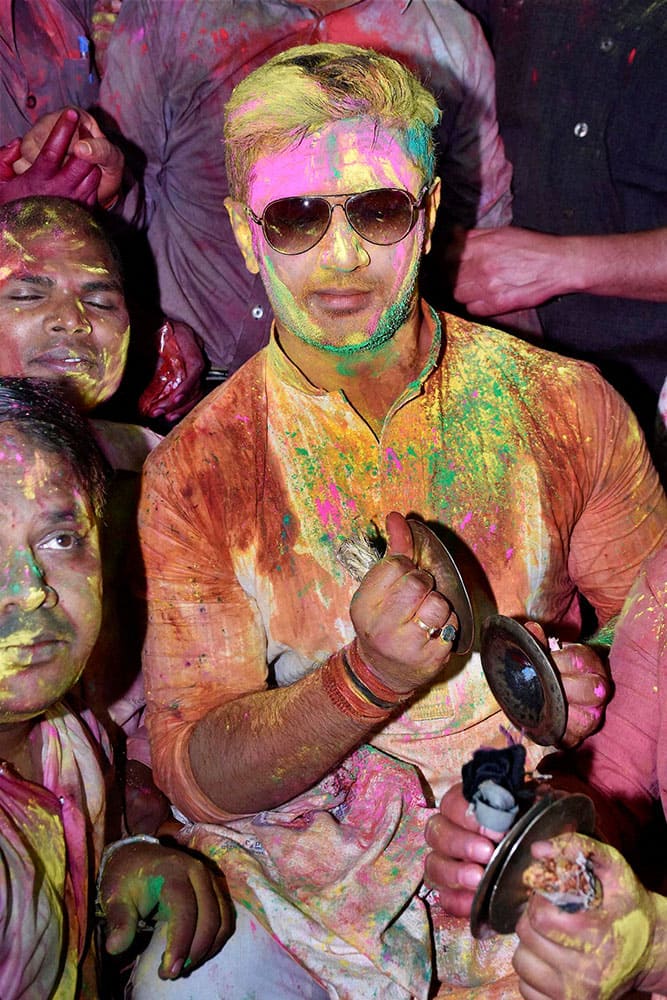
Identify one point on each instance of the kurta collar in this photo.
(286, 371)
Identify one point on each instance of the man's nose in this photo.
(23, 584)
(69, 315)
(342, 248)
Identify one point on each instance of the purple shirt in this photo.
(172, 65)
(45, 61)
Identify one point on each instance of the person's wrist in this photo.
(355, 691)
(368, 673)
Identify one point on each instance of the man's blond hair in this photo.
(307, 88)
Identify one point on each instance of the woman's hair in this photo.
(307, 88)
(40, 411)
(54, 216)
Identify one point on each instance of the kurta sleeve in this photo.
(205, 641)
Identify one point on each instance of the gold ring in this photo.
(430, 630)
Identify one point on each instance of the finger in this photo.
(395, 585)
(9, 155)
(537, 631)
(447, 874)
(86, 190)
(435, 611)
(585, 689)
(458, 843)
(209, 917)
(121, 919)
(399, 536)
(56, 145)
(100, 151)
(180, 931)
(455, 902)
(535, 976)
(180, 411)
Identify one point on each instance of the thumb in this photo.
(399, 536)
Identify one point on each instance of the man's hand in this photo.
(460, 850)
(508, 269)
(596, 954)
(586, 683)
(143, 881)
(177, 382)
(86, 147)
(387, 609)
(52, 171)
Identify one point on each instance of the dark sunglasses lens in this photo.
(294, 225)
(382, 216)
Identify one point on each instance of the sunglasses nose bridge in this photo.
(342, 245)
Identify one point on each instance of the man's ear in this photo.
(242, 233)
(431, 208)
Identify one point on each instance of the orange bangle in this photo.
(372, 686)
(345, 695)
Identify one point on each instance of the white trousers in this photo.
(251, 966)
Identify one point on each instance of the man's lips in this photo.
(70, 359)
(23, 652)
(341, 300)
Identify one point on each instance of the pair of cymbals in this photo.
(520, 672)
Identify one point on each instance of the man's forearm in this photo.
(629, 265)
(264, 748)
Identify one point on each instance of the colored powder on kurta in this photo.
(393, 459)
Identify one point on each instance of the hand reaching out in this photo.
(52, 171)
(83, 146)
(143, 881)
(595, 954)
(586, 683)
(176, 384)
(460, 851)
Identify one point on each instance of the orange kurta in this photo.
(531, 461)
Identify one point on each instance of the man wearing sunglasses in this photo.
(304, 723)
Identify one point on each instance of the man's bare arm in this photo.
(507, 269)
(264, 748)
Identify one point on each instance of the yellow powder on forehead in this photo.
(37, 473)
(11, 243)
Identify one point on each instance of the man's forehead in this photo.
(39, 251)
(31, 467)
(350, 155)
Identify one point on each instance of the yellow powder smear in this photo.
(632, 933)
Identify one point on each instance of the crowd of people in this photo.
(313, 204)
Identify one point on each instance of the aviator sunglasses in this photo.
(382, 216)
